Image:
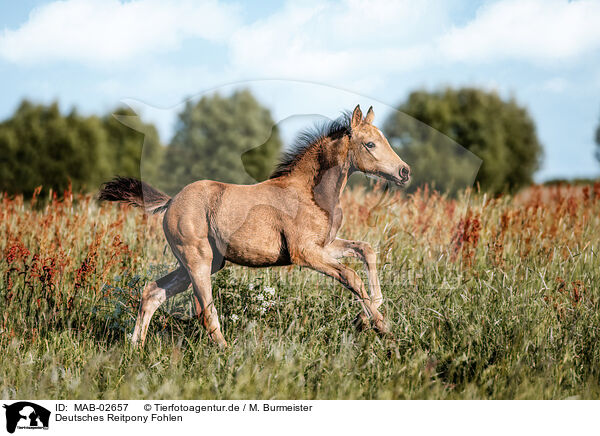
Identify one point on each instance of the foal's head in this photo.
(371, 153)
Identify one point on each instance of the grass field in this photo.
(486, 298)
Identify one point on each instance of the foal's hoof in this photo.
(223, 345)
(135, 341)
(220, 342)
(361, 322)
(381, 328)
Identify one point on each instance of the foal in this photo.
(291, 218)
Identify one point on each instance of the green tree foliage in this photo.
(40, 146)
(500, 132)
(598, 142)
(229, 139)
(130, 141)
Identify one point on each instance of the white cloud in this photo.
(556, 84)
(538, 30)
(348, 43)
(344, 41)
(109, 31)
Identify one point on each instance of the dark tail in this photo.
(136, 193)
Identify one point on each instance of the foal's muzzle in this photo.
(403, 176)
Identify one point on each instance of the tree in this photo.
(598, 142)
(500, 132)
(229, 139)
(40, 146)
(134, 146)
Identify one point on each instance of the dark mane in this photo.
(333, 129)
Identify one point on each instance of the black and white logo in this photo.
(26, 415)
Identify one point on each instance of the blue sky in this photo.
(93, 54)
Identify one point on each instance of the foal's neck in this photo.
(324, 170)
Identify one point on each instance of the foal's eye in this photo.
(370, 144)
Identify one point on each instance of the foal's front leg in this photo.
(363, 251)
(320, 259)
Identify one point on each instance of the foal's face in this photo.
(371, 153)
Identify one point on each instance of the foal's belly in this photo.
(256, 256)
(257, 250)
(256, 240)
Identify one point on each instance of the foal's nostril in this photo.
(405, 172)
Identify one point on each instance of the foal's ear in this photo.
(356, 117)
(370, 116)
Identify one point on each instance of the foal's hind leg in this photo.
(218, 262)
(198, 261)
(154, 295)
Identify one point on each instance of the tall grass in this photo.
(486, 298)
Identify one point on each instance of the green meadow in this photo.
(487, 298)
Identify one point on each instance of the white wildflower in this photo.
(234, 317)
(260, 297)
(251, 286)
(270, 290)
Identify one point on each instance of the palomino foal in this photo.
(291, 218)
